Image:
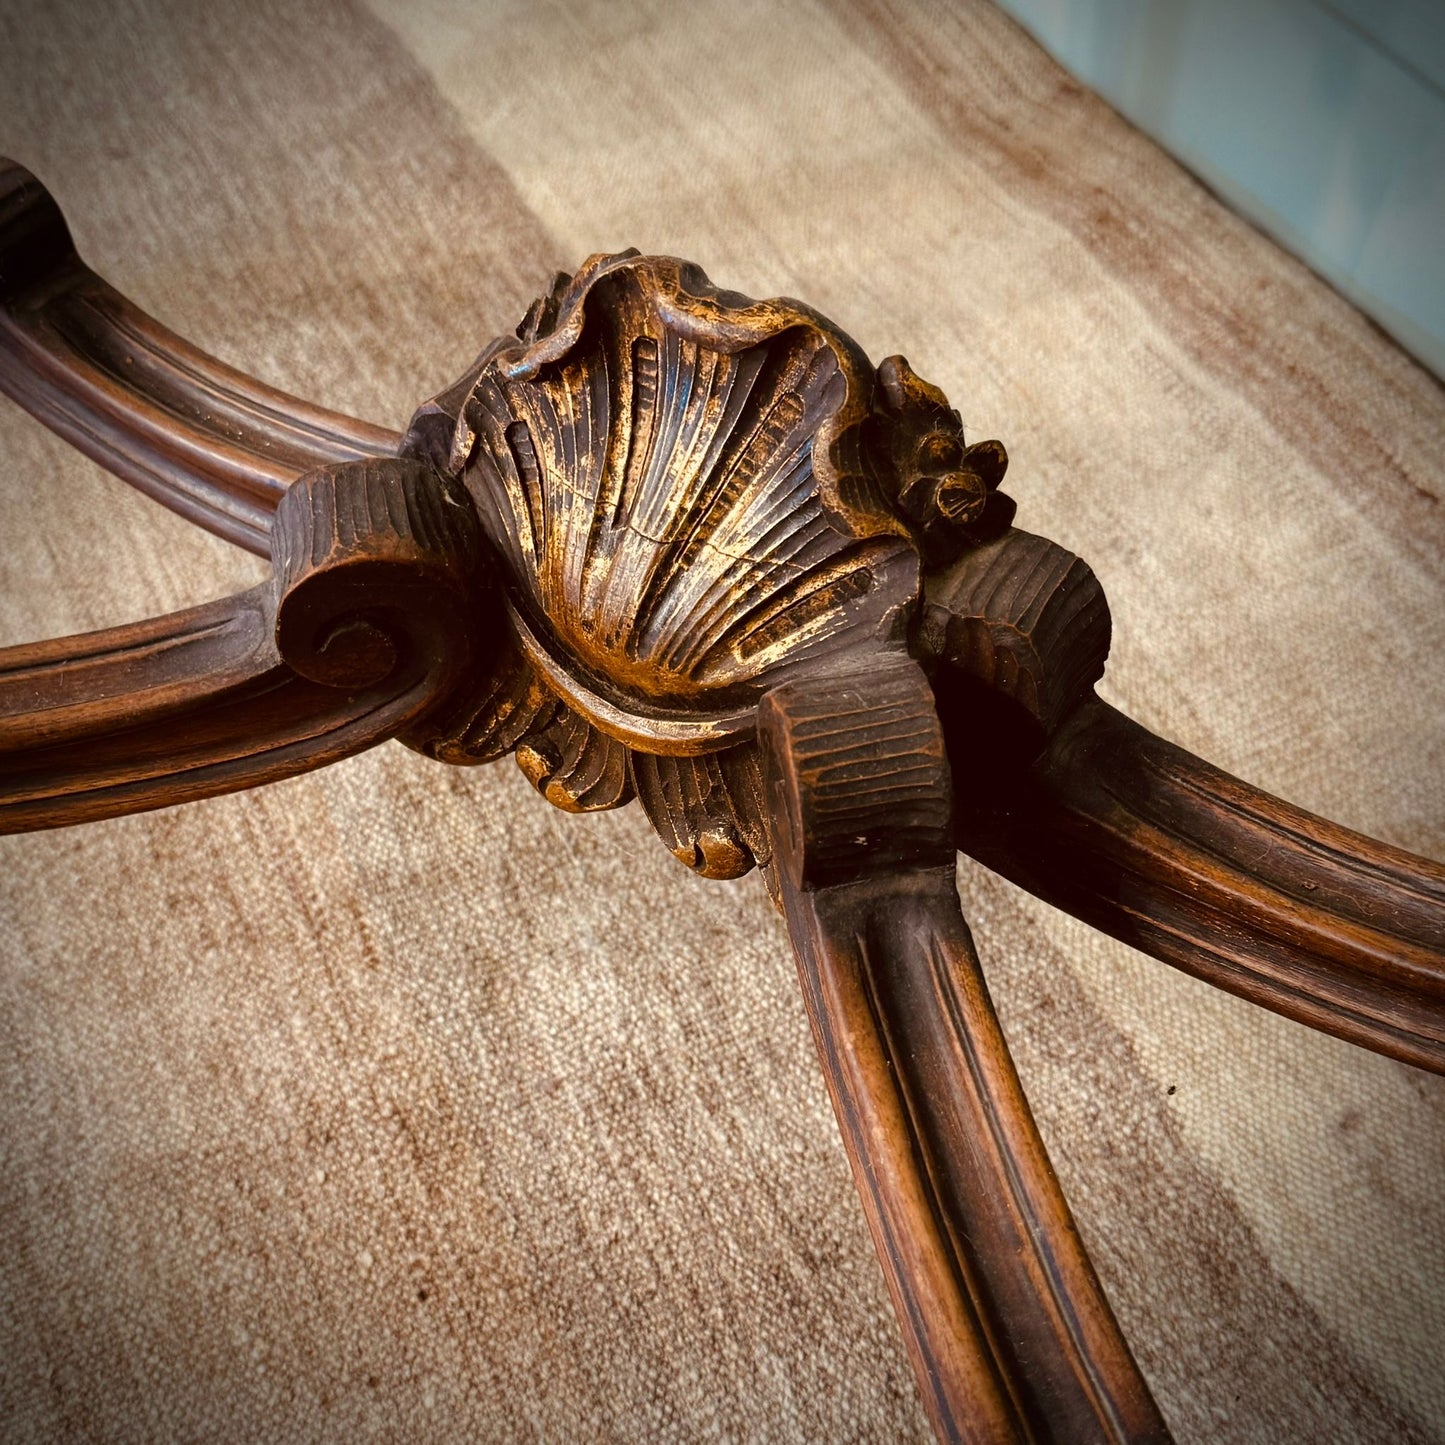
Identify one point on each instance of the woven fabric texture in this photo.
(390, 1103)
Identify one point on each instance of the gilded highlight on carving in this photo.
(693, 497)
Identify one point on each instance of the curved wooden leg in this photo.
(371, 619)
(1153, 845)
(205, 439)
(1009, 1331)
(1140, 838)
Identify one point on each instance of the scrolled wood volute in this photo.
(378, 605)
(378, 571)
(1021, 619)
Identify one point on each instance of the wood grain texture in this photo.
(1135, 835)
(1153, 845)
(199, 436)
(379, 570)
(489, 714)
(576, 767)
(1010, 1333)
(370, 619)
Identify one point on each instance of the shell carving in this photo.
(693, 496)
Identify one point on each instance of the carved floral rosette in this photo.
(692, 497)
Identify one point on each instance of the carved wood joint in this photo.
(857, 776)
(671, 543)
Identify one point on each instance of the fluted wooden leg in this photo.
(1084, 807)
(204, 439)
(1009, 1331)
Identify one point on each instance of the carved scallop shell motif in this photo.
(689, 501)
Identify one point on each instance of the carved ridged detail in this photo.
(1010, 1331)
(864, 769)
(1139, 838)
(742, 773)
(695, 498)
(575, 767)
(512, 704)
(766, 539)
(376, 566)
(374, 612)
(691, 804)
(1023, 616)
(650, 472)
(379, 499)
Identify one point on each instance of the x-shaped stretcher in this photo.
(673, 544)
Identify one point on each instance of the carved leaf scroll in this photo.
(693, 497)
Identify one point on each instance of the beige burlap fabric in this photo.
(389, 1103)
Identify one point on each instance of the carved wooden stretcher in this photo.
(671, 543)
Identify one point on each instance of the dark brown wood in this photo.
(167, 711)
(693, 496)
(710, 515)
(1016, 632)
(372, 617)
(692, 804)
(1149, 843)
(1143, 840)
(1010, 1333)
(204, 439)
